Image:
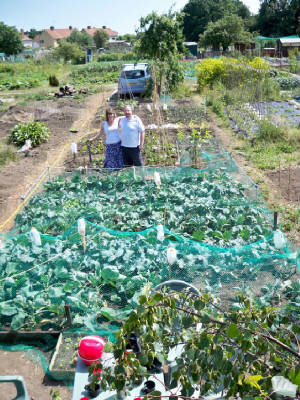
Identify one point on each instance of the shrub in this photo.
(53, 81)
(288, 83)
(230, 71)
(269, 131)
(37, 132)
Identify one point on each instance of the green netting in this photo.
(214, 217)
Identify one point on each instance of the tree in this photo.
(235, 351)
(82, 39)
(160, 39)
(278, 17)
(198, 13)
(100, 38)
(32, 33)
(225, 32)
(69, 52)
(10, 40)
(128, 37)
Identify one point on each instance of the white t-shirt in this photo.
(111, 132)
(130, 131)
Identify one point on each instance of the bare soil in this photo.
(61, 115)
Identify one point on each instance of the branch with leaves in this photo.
(233, 351)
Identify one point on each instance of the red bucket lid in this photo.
(91, 348)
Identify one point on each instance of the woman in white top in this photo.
(113, 152)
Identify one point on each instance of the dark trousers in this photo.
(132, 156)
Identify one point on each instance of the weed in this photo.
(7, 154)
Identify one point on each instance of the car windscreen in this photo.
(134, 74)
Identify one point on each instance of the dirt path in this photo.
(61, 116)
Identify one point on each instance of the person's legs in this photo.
(137, 157)
(127, 156)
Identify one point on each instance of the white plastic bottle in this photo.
(35, 237)
(279, 239)
(160, 233)
(81, 226)
(156, 178)
(74, 148)
(171, 255)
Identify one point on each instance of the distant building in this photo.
(91, 30)
(50, 37)
(27, 42)
(285, 44)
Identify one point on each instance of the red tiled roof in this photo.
(59, 33)
(91, 31)
(23, 36)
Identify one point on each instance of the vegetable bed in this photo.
(205, 215)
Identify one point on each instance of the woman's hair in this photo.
(109, 111)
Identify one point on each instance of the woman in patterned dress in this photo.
(113, 152)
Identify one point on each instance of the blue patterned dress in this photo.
(113, 153)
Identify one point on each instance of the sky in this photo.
(121, 16)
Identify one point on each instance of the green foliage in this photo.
(95, 73)
(144, 206)
(270, 132)
(288, 83)
(160, 36)
(230, 71)
(225, 32)
(7, 154)
(53, 81)
(37, 132)
(278, 18)
(236, 351)
(127, 56)
(10, 40)
(22, 81)
(100, 38)
(82, 39)
(160, 39)
(69, 52)
(198, 13)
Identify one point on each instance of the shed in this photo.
(192, 47)
(285, 44)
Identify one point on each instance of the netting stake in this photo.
(83, 242)
(275, 220)
(90, 153)
(68, 315)
(134, 173)
(165, 215)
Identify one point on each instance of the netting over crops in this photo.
(214, 217)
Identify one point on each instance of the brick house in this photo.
(91, 30)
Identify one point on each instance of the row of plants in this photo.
(22, 81)
(122, 56)
(207, 207)
(100, 277)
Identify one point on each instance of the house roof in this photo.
(23, 36)
(91, 31)
(290, 41)
(59, 33)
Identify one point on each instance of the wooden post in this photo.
(90, 153)
(275, 220)
(83, 242)
(68, 315)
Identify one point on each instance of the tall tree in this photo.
(278, 17)
(198, 13)
(225, 32)
(160, 39)
(69, 51)
(82, 39)
(10, 40)
(101, 38)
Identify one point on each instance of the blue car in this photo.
(133, 79)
